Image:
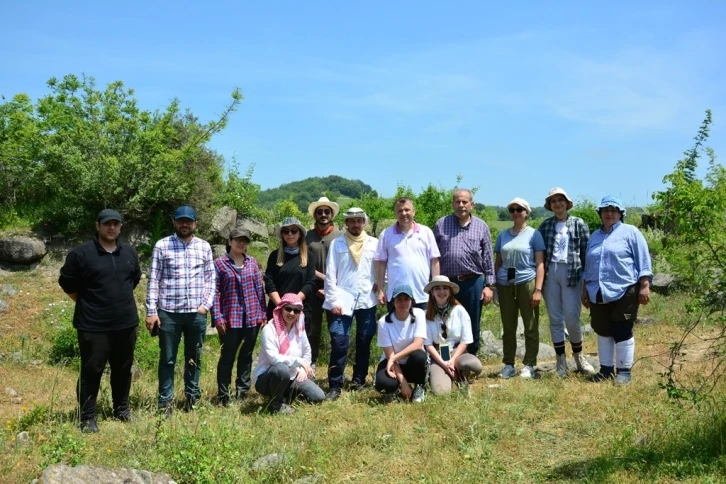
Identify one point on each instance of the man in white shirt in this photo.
(350, 290)
(408, 252)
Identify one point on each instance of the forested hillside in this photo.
(305, 191)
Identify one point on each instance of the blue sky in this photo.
(597, 99)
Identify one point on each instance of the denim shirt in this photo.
(615, 260)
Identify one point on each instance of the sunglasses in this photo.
(292, 231)
(323, 211)
(292, 309)
(517, 209)
(443, 331)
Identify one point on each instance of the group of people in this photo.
(433, 284)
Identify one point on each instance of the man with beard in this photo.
(100, 276)
(318, 240)
(350, 290)
(408, 252)
(180, 294)
(465, 244)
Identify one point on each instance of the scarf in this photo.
(355, 245)
(278, 322)
(325, 232)
(292, 250)
(443, 311)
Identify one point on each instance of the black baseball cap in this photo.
(108, 214)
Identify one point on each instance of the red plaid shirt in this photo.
(240, 301)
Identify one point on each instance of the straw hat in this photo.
(323, 202)
(552, 193)
(441, 281)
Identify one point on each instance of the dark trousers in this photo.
(339, 328)
(98, 348)
(470, 297)
(414, 371)
(277, 384)
(233, 339)
(314, 325)
(173, 325)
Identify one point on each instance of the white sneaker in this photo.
(419, 394)
(508, 372)
(583, 365)
(527, 372)
(561, 367)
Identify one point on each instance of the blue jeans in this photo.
(470, 297)
(173, 325)
(339, 329)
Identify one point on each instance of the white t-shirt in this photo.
(562, 240)
(270, 350)
(400, 334)
(408, 258)
(458, 328)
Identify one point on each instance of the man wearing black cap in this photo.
(179, 296)
(100, 276)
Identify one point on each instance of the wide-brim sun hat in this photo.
(402, 289)
(521, 202)
(441, 281)
(290, 222)
(612, 201)
(355, 212)
(323, 202)
(552, 193)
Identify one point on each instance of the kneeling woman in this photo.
(448, 332)
(283, 370)
(401, 334)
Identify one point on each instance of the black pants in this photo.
(414, 371)
(98, 348)
(231, 341)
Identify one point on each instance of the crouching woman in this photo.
(283, 371)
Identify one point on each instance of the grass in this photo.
(546, 430)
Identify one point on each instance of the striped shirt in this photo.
(240, 300)
(465, 250)
(181, 277)
(578, 234)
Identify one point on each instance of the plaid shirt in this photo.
(240, 301)
(465, 250)
(181, 277)
(578, 234)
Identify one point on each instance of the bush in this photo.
(64, 344)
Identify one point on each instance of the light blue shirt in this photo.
(615, 260)
(518, 251)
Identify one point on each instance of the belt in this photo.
(463, 277)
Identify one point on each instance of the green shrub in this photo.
(64, 343)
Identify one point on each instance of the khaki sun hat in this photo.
(441, 281)
(557, 191)
(521, 202)
(323, 202)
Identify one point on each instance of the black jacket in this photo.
(105, 285)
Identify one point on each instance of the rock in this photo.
(63, 474)
(16, 400)
(269, 460)
(3, 306)
(211, 331)
(520, 328)
(491, 347)
(218, 250)
(224, 220)
(7, 290)
(550, 366)
(22, 439)
(261, 246)
(587, 329)
(257, 229)
(36, 362)
(644, 320)
(21, 250)
(663, 283)
(11, 392)
(309, 479)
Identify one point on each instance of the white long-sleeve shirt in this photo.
(270, 350)
(342, 274)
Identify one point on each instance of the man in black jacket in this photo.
(100, 276)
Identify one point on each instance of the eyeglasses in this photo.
(610, 209)
(323, 211)
(443, 330)
(292, 309)
(240, 239)
(292, 231)
(517, 209)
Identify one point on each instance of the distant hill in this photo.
(305, 191)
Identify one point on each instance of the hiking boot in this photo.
(190, 403)
(605, 373)
(561, 366)
(166, 411)
(527, 372)
(332, 395)
(284, 410)
(123, 416)
(354, 386)
(240, 394)
(508, 372)
(583, 366)
(389, 397)
(419, 394)
(623, 378)
(89, 426)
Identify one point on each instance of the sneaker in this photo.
(508, 372)
(583, 366)
(190, 403)
(123, 416)
(284, 410)
(240, 394)
(389, 397)
(89, 426)
(527, 372)
(419, 394)
(166, 411)
(561, 366)
(623, 379)
(354, 386)
(605, 373)
(332, 395)
(315, 368)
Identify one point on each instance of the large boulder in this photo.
(663, 283)
(224, 221)
(218, 250)
(63, 474)
(21, 250)
(258, 230)
(491, 347)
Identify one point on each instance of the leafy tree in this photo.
(585, 209)
(240, 193)
(306, 191)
